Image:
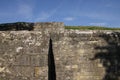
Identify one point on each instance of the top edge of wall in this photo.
(18, 26)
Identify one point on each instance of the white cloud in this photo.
(42, 16)
(108, 5)
(98, 24)
(45, 15)
(69, 18)
(22, 10)
(100, 15)
(25, 10)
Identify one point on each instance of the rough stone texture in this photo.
(23, 53)
(79, 55)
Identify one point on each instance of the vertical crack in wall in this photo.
(51, 63)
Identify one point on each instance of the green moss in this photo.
(90, 28)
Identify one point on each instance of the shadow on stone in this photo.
(111, 58)
(51, 63)
(16, 26)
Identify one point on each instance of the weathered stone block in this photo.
(22, 60)
(40, 72)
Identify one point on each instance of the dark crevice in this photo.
(51, 63)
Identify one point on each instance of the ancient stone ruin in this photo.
(75, 55)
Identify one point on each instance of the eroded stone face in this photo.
(24, 54)
(20, 55)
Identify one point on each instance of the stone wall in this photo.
(23, 55)
(79, 55)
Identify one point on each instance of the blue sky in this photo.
(71, 12)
